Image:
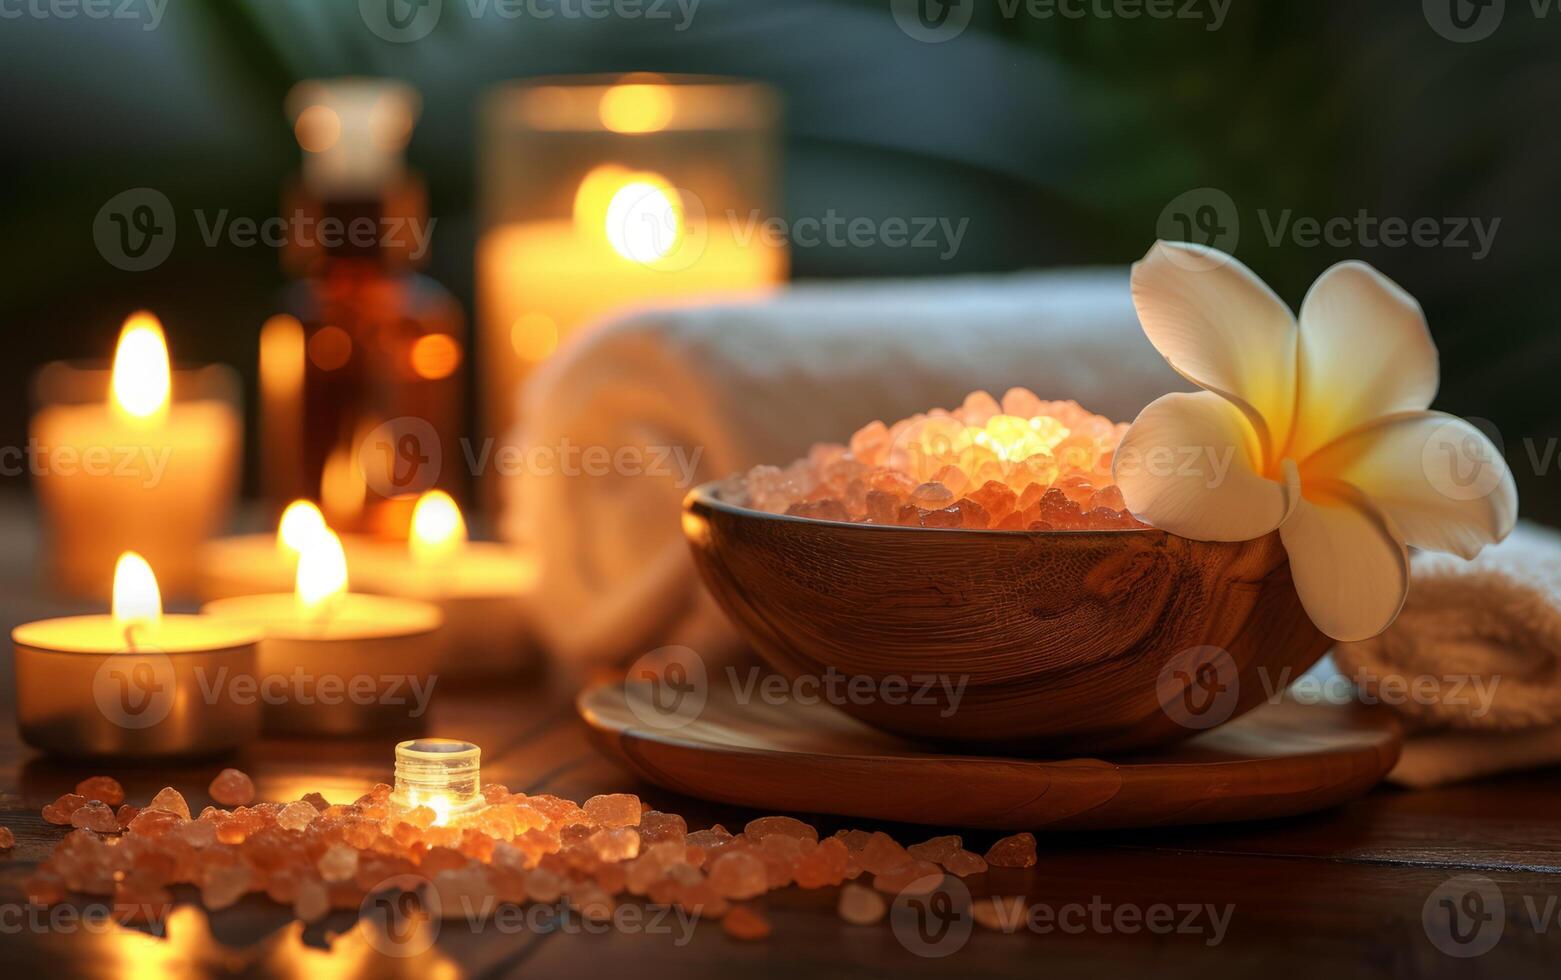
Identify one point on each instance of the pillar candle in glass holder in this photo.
(138, 458)
(604, 194)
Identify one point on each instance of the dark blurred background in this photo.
(1065, 140)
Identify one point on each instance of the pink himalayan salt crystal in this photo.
(232, 788)
(861, 906)
(1016, 851)
(60, 810)
(780, 855)
(615, 844)
(709, 838)
(125, 814)
(170, 800)
(104, 789)
(823, 866)
(614, 810)
(881, 854)
(223, 885)
(946, 470)
(339, 863)
(963, 863)
(311, 901)
(544, 886)
(911, 878)
(737, 874)
(746, 924)
(296, 815)
(936, 849)
(657, 827)
(341, 851)
(7, 839)
(764, 827)
(95, 816)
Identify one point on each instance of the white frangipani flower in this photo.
(1324, 428)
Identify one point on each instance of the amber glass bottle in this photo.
(361, 374)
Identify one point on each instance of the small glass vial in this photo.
(443, 774)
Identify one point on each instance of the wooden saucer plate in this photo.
(1279, 760)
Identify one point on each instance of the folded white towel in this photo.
(1474, 661)
(734, 384)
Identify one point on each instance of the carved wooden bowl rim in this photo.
(706, 495)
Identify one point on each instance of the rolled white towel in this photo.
(1473, 663)
(702, 392)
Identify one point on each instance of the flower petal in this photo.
(1190, 464)
(1443, 483)
(1365, 353)
(1349, 568)
(1223, 329)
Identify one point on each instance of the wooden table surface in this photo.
(1339, 894)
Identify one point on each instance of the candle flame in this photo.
(138, 603)
(322, 573)
(638, 213)
(438, 529)
(301, 523)
(142, 377)
(643, 223)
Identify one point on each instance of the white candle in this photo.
(251, 564)
(140, 467)
(483, 588)
(136, 683)
(337, 662)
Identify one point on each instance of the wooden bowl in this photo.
(1024, 641)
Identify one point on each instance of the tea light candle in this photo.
(482, 587)
(334, 662)
(136, 684)
(145, 469)
(254, 564)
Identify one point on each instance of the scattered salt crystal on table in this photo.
(171, 800)
(232, 788)
(103, 789)
(313, 856)
(1017, 851)
(95, 816)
